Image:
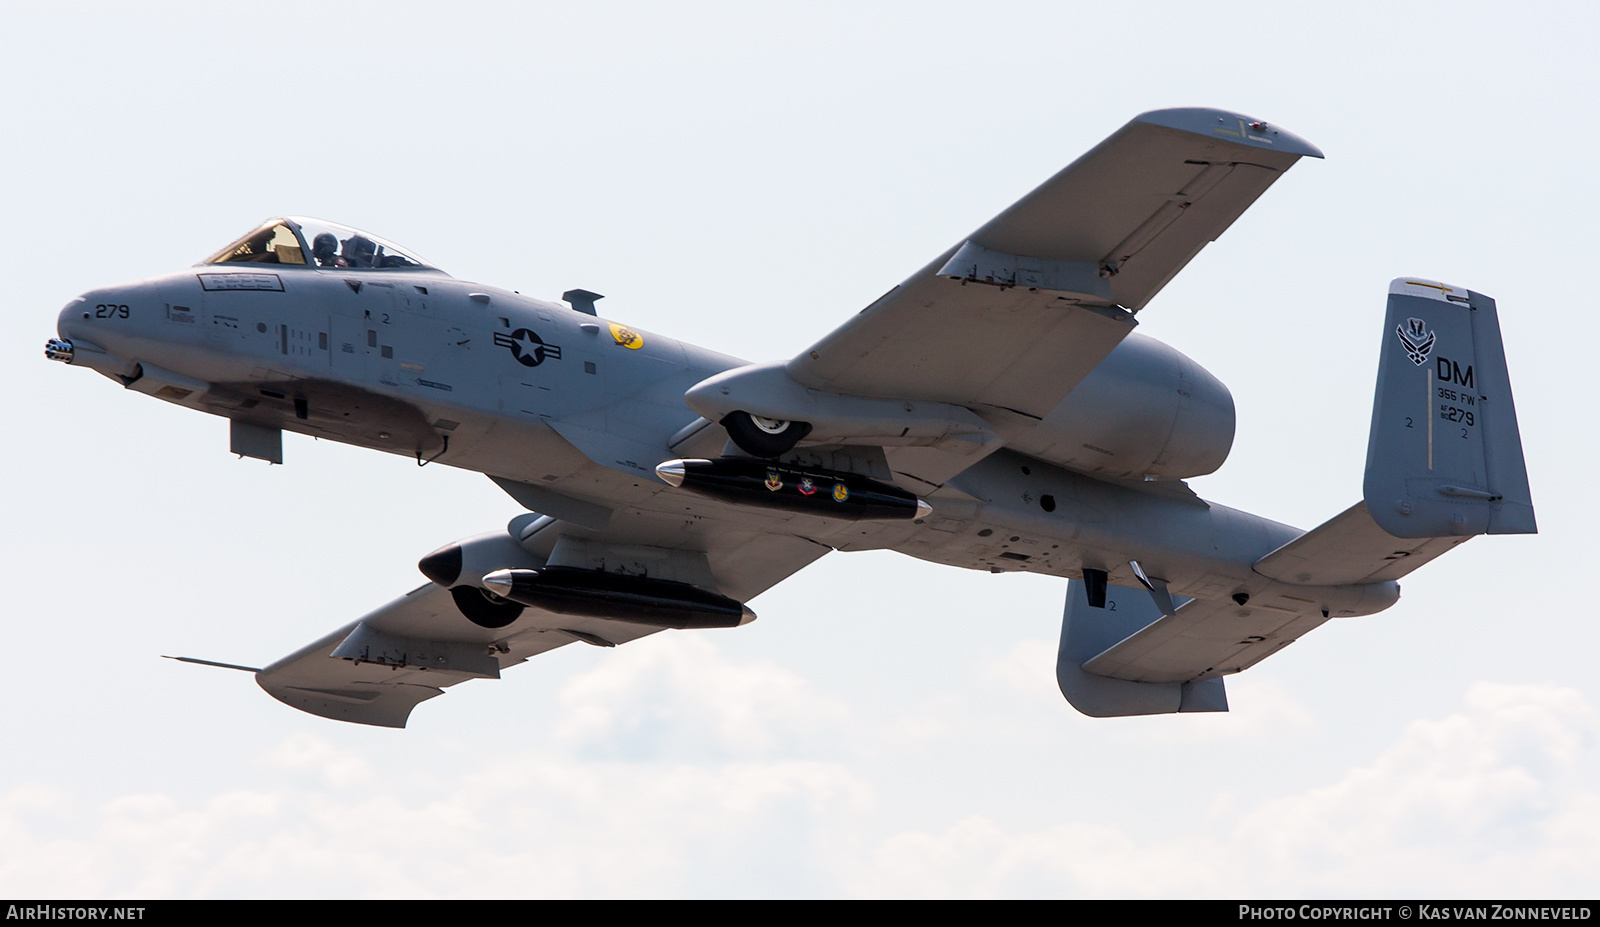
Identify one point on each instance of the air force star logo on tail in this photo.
(1416, 338)
(529, 349)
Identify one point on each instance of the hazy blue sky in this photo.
(745, 177)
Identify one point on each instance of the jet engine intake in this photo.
(460, 567)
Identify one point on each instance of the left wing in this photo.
(1018, 314)
(378, 668)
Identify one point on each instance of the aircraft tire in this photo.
(483, 608)
(764, 437)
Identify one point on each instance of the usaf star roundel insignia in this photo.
(528, 348)
(1416, 339)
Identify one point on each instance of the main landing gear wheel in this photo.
(764, 437)
(483, 608)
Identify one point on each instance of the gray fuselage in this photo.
(418, 363)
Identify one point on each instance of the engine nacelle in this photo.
(461, 566)
(1146, 411)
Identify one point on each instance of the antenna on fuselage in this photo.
(582, 300)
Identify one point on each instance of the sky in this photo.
(745, 177)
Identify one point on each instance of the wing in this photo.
(377, 669)
(411, 650)
(1020, 312)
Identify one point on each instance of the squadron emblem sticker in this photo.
(840, 493)
(774, 481)
(626, 337)
(808, 486)
(529, 349)
(1416, 338)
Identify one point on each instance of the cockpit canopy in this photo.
(297, 241)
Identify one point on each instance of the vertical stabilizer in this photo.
(1088, 630)
(1444, 457)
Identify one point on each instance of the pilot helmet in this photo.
(325, 246)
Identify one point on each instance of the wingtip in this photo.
(1230, 126)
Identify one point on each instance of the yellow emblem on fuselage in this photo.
(626, 337)
(840, 493)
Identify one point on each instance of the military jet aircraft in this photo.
(996, 411)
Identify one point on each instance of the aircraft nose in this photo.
(111, 317)
(89, 333)
(68, 323)
(69, 326)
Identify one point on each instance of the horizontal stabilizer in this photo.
(1350, 549)
(1209, 638)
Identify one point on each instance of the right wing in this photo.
(377, 669)
(416, 646)
(1019, 313)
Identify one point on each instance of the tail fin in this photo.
(1444, 457)
(1088, 630)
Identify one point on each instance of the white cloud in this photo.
(673, 693)
(1491, 799)
(304, 752)
(1028, 668)
(1479, 802)
(1487, 801)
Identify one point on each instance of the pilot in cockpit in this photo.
(325, 250)
(332, 246)
(358, 251)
